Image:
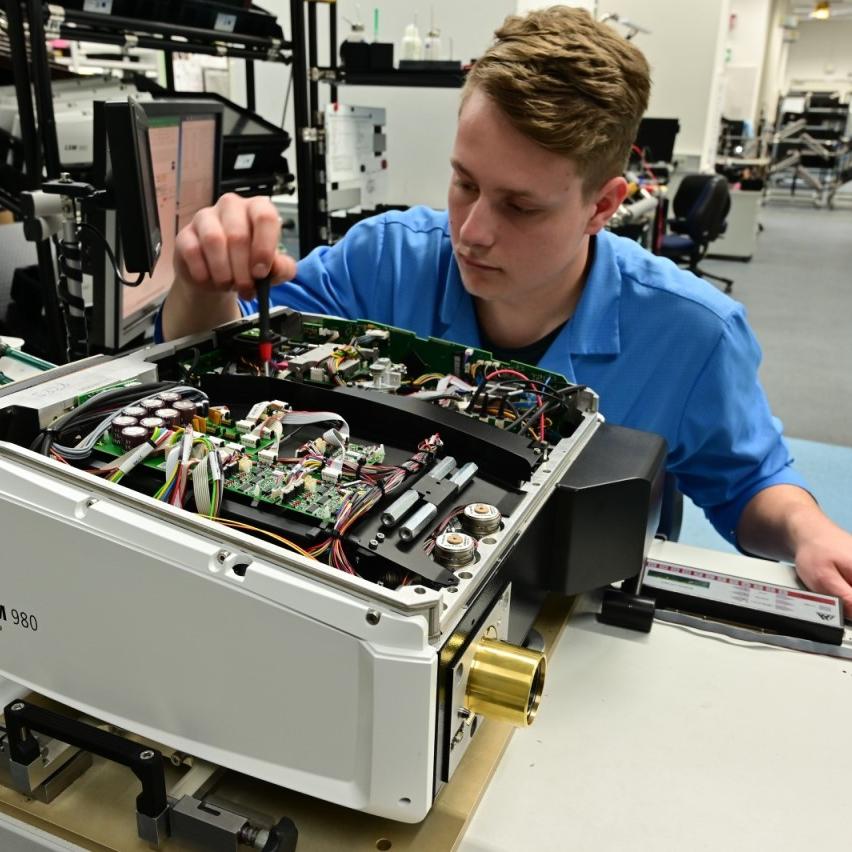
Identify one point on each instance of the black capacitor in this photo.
(122, 421)
(170, 397)
(149, 424)
(152, 404)
(169, 416)
(135, 411)
(185, 410)
(133, 436)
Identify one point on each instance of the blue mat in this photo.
(826, 467)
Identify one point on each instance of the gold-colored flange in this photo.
(505, 682)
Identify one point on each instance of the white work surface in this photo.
(676, 740)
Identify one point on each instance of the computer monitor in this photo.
(186, 154)
(134, 187)
(656, 139)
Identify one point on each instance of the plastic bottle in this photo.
(412, 44)
(432, 45)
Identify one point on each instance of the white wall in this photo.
(822, 56)
(774, 66)
(686, 52)
(420, 122)
(747, 39)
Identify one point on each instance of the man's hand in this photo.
(824, 563)
(217, 257)
(784, 522)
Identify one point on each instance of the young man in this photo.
(521, 266)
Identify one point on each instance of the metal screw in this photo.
(380, 536)
(222, 555)
(17, 707)
(147, 754)
(373, 544)
(373, 616)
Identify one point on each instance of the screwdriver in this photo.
(265, 344)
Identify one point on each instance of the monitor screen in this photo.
(183, 152)
(185, 141)
(656, 139)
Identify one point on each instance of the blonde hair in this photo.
(568, 83)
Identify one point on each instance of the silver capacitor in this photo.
(399, 508)
(454, 549)
(481, 518)
(418, 522)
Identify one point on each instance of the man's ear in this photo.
(606, 201)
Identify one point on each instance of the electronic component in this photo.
(480, 519)
(454, 549)
(319, 522)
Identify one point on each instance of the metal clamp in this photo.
(23, 718)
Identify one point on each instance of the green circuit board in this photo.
(317, 499)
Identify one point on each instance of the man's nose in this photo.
(478, 228)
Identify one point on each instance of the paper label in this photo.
(244, 161)
(225, 23)
(102, 6)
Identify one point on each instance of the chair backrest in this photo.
(703, 202)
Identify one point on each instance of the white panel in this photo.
(685, 50)
(134, 621)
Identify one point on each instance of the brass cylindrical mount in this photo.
(505, 682)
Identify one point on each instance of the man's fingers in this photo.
(211, 236)
(237, 228)
(265, 230)
(189, 260)
(283, 268)
(830, 582)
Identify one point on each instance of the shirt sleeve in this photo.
(729, 446)
(340, 280)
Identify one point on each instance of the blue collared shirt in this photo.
(665, 350)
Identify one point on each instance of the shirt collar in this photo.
(594, 328)
(458, 314)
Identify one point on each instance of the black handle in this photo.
(146, 763)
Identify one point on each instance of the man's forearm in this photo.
(187, 311)
(777, 520)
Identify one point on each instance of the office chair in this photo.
(701, 205)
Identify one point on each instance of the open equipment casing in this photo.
(233, 649)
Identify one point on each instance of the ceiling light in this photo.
(821, 10)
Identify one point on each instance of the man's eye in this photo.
(465, 186)
(516, 208)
